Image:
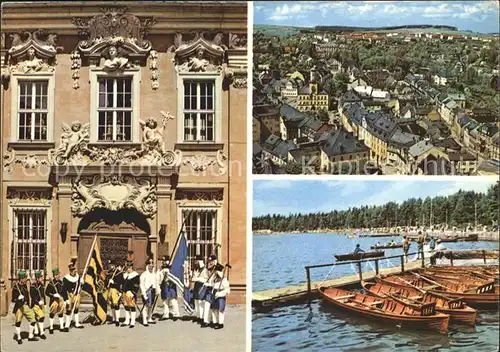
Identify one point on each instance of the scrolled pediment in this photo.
(113, 192)
(114, 28)
(198, 54)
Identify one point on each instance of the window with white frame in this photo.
(32, 111)
(201, 232)
(115, 109)
(199, 111)
(30, 239)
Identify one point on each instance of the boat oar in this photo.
(429, 280)
(411, 285)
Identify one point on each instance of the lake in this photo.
(279, 261)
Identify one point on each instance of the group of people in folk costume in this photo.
(208, 286)
(30, 300)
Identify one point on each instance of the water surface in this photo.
(279, 261)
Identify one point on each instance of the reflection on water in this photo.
(279, 261)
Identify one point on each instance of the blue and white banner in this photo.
(176, 272)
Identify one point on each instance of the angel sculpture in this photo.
(152, 138)
(73, 136)
(114, 62)
(198, 63)
(32, 63)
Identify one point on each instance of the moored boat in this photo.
(358, 256)
(482, 296)
(388, 310)
(387, 246)
(458, 311)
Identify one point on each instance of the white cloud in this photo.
(273, 184)
(477, 185)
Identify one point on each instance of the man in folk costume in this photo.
(21, 299)
(37, 292)
(221, 290)
(208, 286)
(130, 288)
(149, 289)
(200, 276)
(71, 293)
(114, 281)
(54, 290)
(168, 291)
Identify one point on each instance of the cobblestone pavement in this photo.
(165, 335)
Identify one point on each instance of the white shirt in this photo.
(148, 279)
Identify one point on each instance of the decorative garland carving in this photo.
(201, 162)
(113, 192)
(240, 82)
(29, 161)
(16, 196)
(200, 196)
(154, 67)
(8, 159)
(116, 36)
(74, 148)
(76, 64)
(30, 53)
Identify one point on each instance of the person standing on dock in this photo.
(432, 244)
(406, 247)
(420, 243)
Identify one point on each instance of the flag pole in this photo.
(83, 275)
(180, 233)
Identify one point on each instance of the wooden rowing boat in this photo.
(458, 311)
(482, 296)
(464, 278)
(485, 273)
(387, 246)
(388, 310)
(358, 256)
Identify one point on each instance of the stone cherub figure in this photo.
(32, 63)
(73, 136)
(152, 138)
(113, 61)
(198, 63)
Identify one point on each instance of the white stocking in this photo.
(32, 328)
(40, 328)
(165, 308)
(51, 323)
(175, 307)
(18, 332)
(206, 312)
(221, 318)
(132, 318)
(117, 315)
(127, 317)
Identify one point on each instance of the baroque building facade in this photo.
(127, 123)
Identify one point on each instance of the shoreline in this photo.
(482, 236)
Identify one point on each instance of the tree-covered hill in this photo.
(458, 210)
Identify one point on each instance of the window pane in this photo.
(189, 127)
(127, 126)
(109, 93)
(105, 126)
(28, 95)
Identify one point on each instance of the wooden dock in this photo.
(296, 294)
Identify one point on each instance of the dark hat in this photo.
(212, 257)
(149, 261)
(21, 274)
(165, 258)
(71, 267)
(219, 267)
(56, 271)
(38, 274)
(73, 259)
(129, 264)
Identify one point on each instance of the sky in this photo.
(477, 16)
(305, 196)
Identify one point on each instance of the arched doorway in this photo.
(117, 233)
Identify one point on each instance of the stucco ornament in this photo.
(28, 161)
(199, 54)
(74, 148)
(154, 68)
(201, 162)
(33, 52)
(74, 140)
(113, 192)
(114, 39)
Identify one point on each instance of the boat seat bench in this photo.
(346, 296)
